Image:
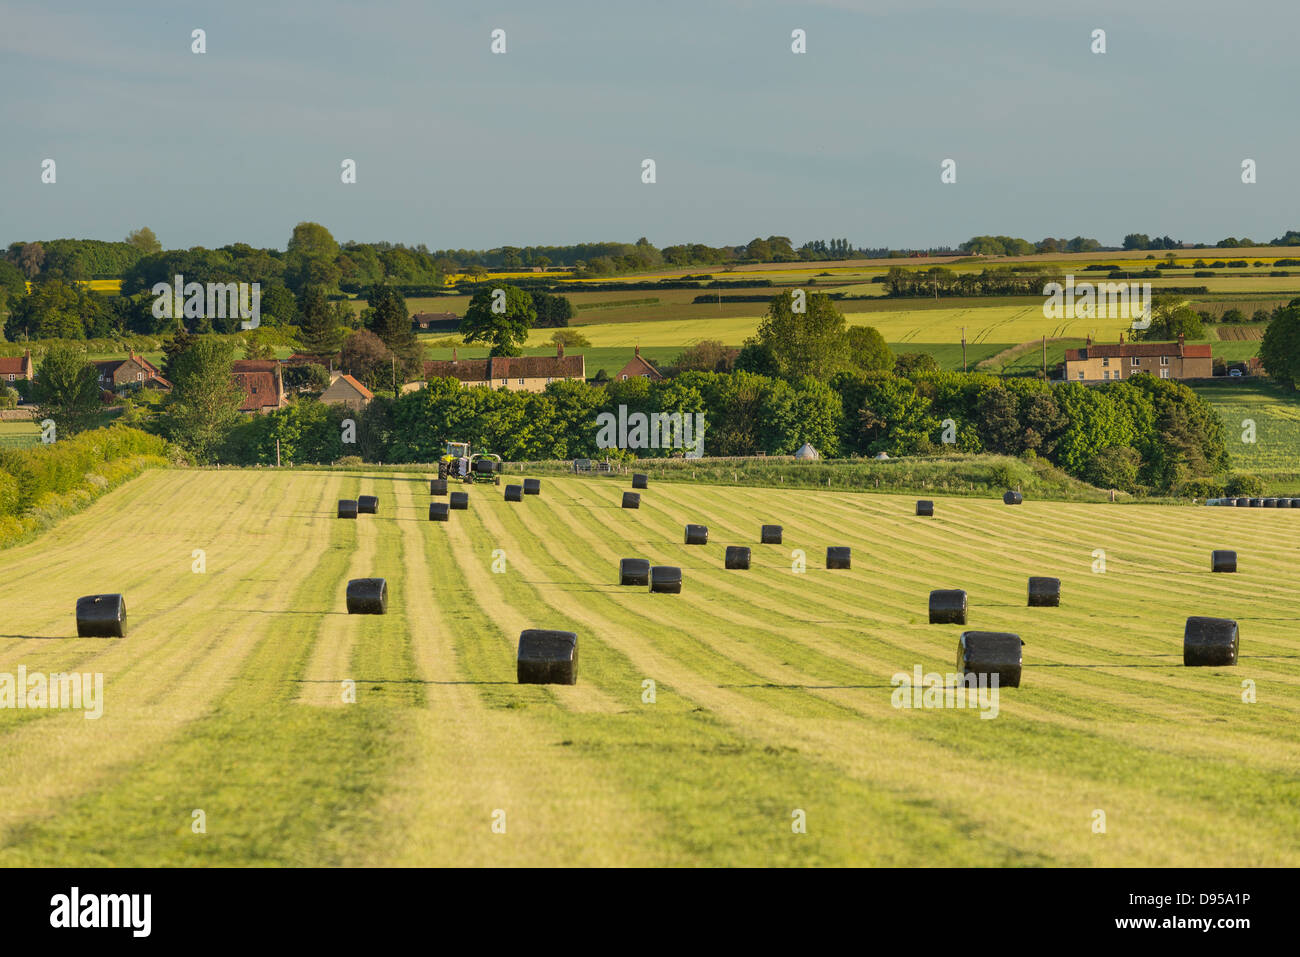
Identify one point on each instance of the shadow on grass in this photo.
(809, 687)
(394, 681)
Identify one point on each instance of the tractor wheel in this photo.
(442, 470)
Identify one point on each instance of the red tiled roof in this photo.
(1147, 349)
(254, 365)
(13, 365)
(259, 390)
(364, 392)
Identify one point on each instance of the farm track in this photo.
(772, 689)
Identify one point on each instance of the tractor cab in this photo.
(459, 462)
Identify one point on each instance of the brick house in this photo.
(17, 368)
(526, 373)
(135, 371)
(639, 366)
(1164, 360)
(345, 390)
(435, 320)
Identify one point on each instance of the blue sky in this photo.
(457, 147)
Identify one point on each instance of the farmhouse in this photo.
(135, 371)
(262, 384)
(345, 390)
(526, 373)
(15, 368)
(1164, 360)
(638, 367)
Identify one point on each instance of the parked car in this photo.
(1235, 373)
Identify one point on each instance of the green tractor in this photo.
(459, 463)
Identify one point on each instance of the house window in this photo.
(1135, 361)
(139, 377)
(624, 378)
(549, 380)
(1105, 361)
(1164, 373)
(521, 381)
(11, 377)
(1164, 360)
(1080, 373)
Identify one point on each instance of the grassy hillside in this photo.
(1274, 453)
(773, 689)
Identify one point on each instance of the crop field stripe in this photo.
(1108, 719)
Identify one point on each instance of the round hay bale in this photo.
(991, 653)
(532, 486)
(640, 480)
(1012, 498)
(1256, 503)
(514, 493)
(547, 657)
(459, 500)
(1210, 641)
(839, 556)
(1286, 503)
(347, 508)
(947, 606)
(770, 535)
(666, 579)
(697, 534)
(1222, 560)
(1044, 592)
(1270, 503)
(737, 556)
(484, 467)
(634, 571)
(368, 504)
(1242, 502)
(1295, 503)
(101, 616)
(438, 486)
(631, 500)
(439, 512)
(925, 507)
(368, 596)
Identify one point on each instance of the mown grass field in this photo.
(773, 688)
(1275, 412)
(19, 434)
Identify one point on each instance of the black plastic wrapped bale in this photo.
(634, 571)
(368, 596)
(770, 535)
(439, 512)
(737, 556)
(666, 579)
(368, 504)
(548, 657)
(484, 467)
(1243, 502)
(1285, 502)
(532, 486)
(839, 556)
(697, 534)
(1270, 503)
(1210, 641)
(514, 493)
(639, 480)
(347, 508)
(1222, 560)
(947, 606)
(924, 508)
(1295, 503)
(631, 500)
(990, 653)
(1012, 498)
(1256, 503)
(437, 486)
(1044, 592)
(101, 616)
(459, 500)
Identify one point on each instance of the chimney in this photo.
(559, 349)
(455, 356)
(1121, 338)
(1180, 345)
(636, 350)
